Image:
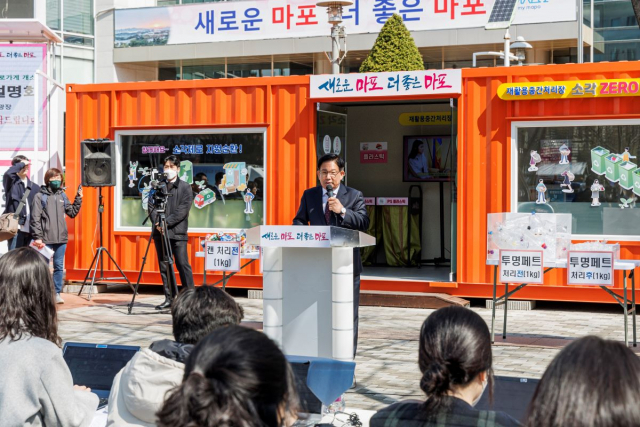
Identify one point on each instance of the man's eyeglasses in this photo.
(331, 174)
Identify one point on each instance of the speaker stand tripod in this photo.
(97, 259)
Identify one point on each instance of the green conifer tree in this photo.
(394, 50)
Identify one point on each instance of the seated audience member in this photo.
(591, 383)
(36, 388)
(140, 387)
(235, 376)
(455, 361)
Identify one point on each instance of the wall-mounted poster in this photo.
(426, 158)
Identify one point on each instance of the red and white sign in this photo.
(590, 268)
(403, 83)
(369, 201)
(521, 266)
(222, 256)
(18, 79)
(392, 201)
(373, 152)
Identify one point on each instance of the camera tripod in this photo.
(167, 254)
(97, 259)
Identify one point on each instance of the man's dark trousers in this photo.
(179, 249)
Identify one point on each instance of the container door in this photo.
(454, 188)
(332, 131)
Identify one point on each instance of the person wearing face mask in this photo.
(16, 182)
(177, 210)
(456, 365)
(48, 223)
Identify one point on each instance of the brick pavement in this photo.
(387, 368)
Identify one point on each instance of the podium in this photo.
(308, 287)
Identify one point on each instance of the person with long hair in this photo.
(456, 365)
(417, 160)
(36, 388)
(48, 224)
(235, 377)
(592, 382)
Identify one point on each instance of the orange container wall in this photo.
(96, 111)
(485, 162)
(282, 105)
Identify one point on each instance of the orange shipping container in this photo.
(282, 106)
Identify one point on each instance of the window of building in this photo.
(17, 9)
(598, 150)
(233, 161)
(617, 36)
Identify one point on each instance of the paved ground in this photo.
(387, 368)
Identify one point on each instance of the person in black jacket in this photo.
(345, 209)
(15, 182)
(48, 224)
(177, 210)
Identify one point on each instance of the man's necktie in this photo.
(327, 213)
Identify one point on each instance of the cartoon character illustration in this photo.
(145, 171)
(186, 171)
(626, 156)
(145, 196)
(204, 198)
(235, 178)
(535, 158)
(133, 166)
(248, 198)
(541, 189)
(564, 154)
(596, 188)
(625, 202)
(568, 178)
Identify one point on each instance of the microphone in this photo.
(329, 190)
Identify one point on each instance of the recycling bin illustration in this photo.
(598, 155)
(626, 174)
(612, 164)
(636, 182)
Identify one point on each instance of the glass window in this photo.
(614, 14)
(199, 72)
(78, 40)
(232, 162)
(17, 9)
(603, 153)
(78, 16)
(249, 70)
(616, 51)
(169, 71)
(53, 14)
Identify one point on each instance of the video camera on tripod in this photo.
(159, 191)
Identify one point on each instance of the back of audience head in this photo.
(236, 377)
(197, 312)
(454, 356)
(27, 304)
(591, 383)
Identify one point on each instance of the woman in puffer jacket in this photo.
(48, 222)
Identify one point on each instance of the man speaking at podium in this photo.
(338, 205)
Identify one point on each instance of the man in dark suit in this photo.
(345, 209)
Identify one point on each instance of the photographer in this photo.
(177, 197)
